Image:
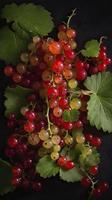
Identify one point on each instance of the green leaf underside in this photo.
(100, 103)
(47, 167)
(72, 175)
(32, 18)
(15, 99)
(11, 46)
(71, 116)
(92, 48)
(5, 177)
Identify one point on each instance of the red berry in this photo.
(8, 70)
(79, 65)
(52, 92)
(12, 142)
(62, 143)
(62, 90)
(81, 74)
(17, 171)
(63, 103)
(86, 182)
(93, 70)
(108, 61)
(62, 27)
(102, 67)
(16, 181)
(57, 66)
(93, 170)
(61, 161)
(78, 124)
(29, 126)
(96, 141)
(70, 55)
(88, 137)
(30, 115)
(67, 125)
(102, 55)
(69, 165)
(104, 186)
(36, 186)
(97, 192)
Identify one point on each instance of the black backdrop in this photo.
(92, 21)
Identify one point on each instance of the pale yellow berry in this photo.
(47, 144)
(54, 155)
(54, 129)
(43, 135)
(72, 83)
(80, 139)
(56, 139)
(75, 103)
(68, 139)
(24, 57)
(33, 139)
(56, 148)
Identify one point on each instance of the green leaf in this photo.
(15, 99)
(5, 177)
(71, 175)
(47, 167)
(100, 103)
(20, 32)
(71, 116)
(92, 48)
(11, 46)
(32, 18)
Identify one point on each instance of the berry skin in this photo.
(57, 66)
(55, 48)
(70, 55)
(63, 103)
(88, 137)
(67, 125)
(81, 75)
(104, 186)
(37, 186)
(71, 33)
(86, 182)
(54, 155)
(96, 141)
(61, 161)
(16, 171)
(30, 115)
(8, 70)
(29, 126)
(97, 192)
(93, 170)
(16, 181)
(12, 142)
(52, 92)
(69, 165)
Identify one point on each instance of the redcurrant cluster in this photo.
(55, 71)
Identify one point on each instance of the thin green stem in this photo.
(48, 120)
(70, 17)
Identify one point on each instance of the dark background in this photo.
(93, 19)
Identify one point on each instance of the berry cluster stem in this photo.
(47, 115)
(70, 17)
